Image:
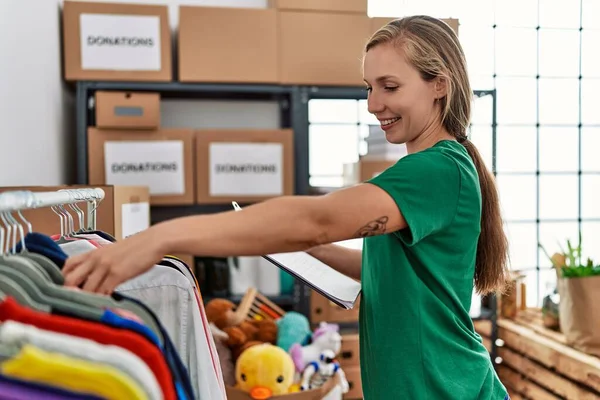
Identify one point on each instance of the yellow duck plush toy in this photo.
(264, 370)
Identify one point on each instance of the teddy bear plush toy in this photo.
(241, 335)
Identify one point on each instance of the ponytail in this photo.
(491, 265)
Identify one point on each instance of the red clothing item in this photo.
(150, 354)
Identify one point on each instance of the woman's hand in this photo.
(104, 269)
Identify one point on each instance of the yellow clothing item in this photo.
(56, 369)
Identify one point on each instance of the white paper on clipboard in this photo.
(335, 286)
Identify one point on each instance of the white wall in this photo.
(37, 116)
(35, 111)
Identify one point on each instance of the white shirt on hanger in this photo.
(170, 295)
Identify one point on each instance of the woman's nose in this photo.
(374, 106)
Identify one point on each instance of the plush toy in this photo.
(293, 328)
(317, 373)
(264, 371)
(241, 335)
(325, 337)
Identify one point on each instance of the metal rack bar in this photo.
(23, 199)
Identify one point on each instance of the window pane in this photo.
(590, 57)
(517, 196)
(517, 100)
(558, 14)
(559, 196)
(590, 143)
(516, 44)
(481, 82)
(522, 239)
(590, 198)
(516, 149)
(481, 112)
(590, 114)
(507, 17)
(590, 237)
(553, 235)
(481, 136)
(364, 116)
(324, 138)
(477, 43)
(559, 149)
(559, 52)
(590, 14)
(559, 101)
(468, 12)
(344, 111)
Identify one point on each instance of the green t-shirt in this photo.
(417, 340)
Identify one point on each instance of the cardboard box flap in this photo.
(352, 6)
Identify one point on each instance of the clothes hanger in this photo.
(63, 228)
(51, 269)
(89, 301)
(9, 287)
(45, 292)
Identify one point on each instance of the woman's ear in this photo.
(440, 87)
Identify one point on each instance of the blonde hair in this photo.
(432, 47)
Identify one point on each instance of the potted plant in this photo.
(578, 283)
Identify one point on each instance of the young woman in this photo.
(431, 225)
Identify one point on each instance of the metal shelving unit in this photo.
(293, 102)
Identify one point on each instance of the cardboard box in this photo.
(315, 394)
(364, 170)
(127, 110)
(162, 159)
(116, 42)
(323, 310)
(227, 45)
(370, 169)
(377, 22)
(354, 381)
(322, 48)
(350, 354)
(123, 211)
(350, 6)
(244, 165)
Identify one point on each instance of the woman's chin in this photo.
(395, 138)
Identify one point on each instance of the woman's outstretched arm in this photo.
(283, 224)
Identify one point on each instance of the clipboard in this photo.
(329, 283)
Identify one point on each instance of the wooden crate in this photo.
(535, 362)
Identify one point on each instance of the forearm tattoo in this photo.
(373, 228)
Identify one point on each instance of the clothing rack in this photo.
(131, 338)
(24, 199)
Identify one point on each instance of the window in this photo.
(543, 64)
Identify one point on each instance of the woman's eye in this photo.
(391, 88)
(279, 379)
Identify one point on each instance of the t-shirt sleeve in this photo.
(426, 187)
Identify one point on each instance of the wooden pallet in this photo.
(535, 362)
